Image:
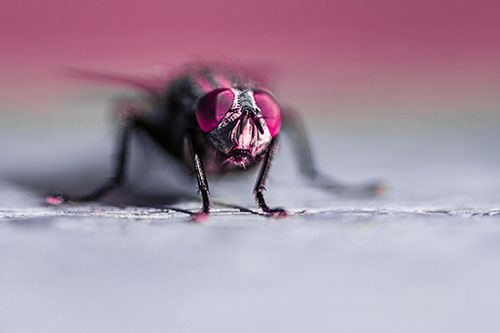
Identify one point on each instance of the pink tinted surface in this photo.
(413, 50)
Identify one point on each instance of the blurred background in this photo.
(409, 69)
(402, 90)
(354, 56)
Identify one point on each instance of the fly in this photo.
(226, 122)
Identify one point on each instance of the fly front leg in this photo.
(260, 186)
(293, 125)
(201, 177)
(130, 120)
(118, 177)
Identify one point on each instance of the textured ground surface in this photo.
(422, 258)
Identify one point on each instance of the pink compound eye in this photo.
(270, 111)
(213, 107)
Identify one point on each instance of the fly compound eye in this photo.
(270, 111)
(212, 108)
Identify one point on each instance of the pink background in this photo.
(352, 54)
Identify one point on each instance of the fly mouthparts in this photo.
(241, 153)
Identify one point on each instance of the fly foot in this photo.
(377, 188)
(200, 217)
(56, 199)
(277, 213)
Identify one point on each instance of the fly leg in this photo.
(293, 125)
(260, 186)
(202, 180)
(129, 116)
(118, 177)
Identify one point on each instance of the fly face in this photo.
(239, 124)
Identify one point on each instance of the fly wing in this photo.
(150, 85)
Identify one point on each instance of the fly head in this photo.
(239, 124)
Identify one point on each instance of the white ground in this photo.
(423, 258)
